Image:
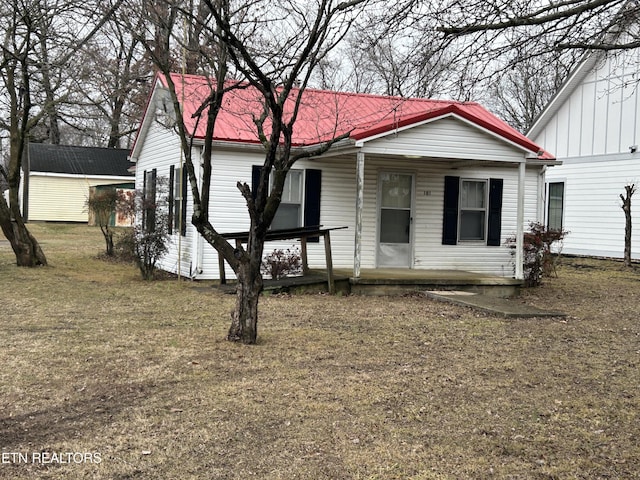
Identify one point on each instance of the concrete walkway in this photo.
(510, 308)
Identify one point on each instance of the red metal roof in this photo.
(323, 114)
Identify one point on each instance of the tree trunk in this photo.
(25, 246)
(244, 319)
(108, 239)
(626, 207)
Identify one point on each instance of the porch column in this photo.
(359, 202)
(520, 222)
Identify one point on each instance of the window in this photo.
(177, 200)
(473, 210)
(555, 206)
(178, 213)
(289, 211)
(300, 203)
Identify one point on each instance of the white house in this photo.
(593, 127)
(420, 184)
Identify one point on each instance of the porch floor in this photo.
(389, 281)
(392, 281)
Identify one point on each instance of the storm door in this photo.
(395, 217)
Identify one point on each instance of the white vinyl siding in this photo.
(456, 148)
(592, 125)
(592, 213)
(62, 198)
(450, 138)
(159, 151)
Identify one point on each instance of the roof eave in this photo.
(147, 119)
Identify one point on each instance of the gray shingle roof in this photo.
(79, 160)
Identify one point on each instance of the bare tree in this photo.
(274, 48)
(519, 93)
(626, 207)
(23, 26)
(113, 83)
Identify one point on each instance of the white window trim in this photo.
(485, 210)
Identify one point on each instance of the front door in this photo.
(395, 217)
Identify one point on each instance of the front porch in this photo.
(393, 281)
(396, 281)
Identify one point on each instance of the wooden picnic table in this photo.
(301, 233)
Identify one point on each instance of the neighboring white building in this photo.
(592, 125)
(59, 179)
(443, 183)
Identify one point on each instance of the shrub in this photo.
(151, 232)
(125, 246)
(281, 263)
(539, 257)
(101, 205)
(150, 246)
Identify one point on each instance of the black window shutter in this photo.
(312, 188)
(495, 212)
(183, 227)
(450, 214)
(172, 169)
(154, 202)
(144, 199)
(256, 170)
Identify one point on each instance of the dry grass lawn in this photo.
(138, 376)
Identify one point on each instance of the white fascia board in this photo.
(341, 147)
(147, 119)
(543, 162)
(83, 177)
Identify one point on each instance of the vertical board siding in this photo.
(600, 116)
(597, 161)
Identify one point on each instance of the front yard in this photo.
(105, 376)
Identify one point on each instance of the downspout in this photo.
(520, 222)
(357, 254)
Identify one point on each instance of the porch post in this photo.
(520, 222)
(359, 202)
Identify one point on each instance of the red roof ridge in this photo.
(389, 97)
(342, 92)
